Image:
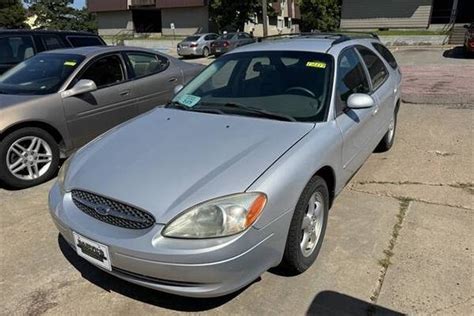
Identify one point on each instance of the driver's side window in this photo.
(351, 78)
(105, 72)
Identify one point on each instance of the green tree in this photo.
(231, 15)
(61, 15)
(12, 15)
(322, 15)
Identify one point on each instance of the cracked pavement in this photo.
(399, 240)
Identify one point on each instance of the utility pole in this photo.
(265, 17)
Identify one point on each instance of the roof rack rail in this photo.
(339, 37)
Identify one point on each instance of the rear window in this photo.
(191, 39)
(386, 54)
(80, 41)
(15, 49)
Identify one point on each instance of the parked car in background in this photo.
(469, 39)
(230, 41)
(57, 101)
(196, 45)
(18, 45)
(237, 174)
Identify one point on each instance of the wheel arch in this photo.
(329, 176)
(38, 124)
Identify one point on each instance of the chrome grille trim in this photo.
(112, 212)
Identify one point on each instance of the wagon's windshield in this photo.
(289, 85)
(41, 74)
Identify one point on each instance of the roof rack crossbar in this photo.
(339, 36)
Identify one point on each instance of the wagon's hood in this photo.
(169, 160)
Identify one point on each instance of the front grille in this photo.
(112, 212)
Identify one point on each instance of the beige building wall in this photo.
(112, 23)
(360, 14)
(187, 21)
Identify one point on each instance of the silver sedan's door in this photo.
(91, 114)
(357, 126)
(156, 76)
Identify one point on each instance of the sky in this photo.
(79, 3)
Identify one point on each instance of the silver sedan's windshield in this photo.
(41, 74)
(289, 85)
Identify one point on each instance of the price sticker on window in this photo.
(316, 64)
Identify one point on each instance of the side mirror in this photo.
(178, 88)
(81, 87)
(360, 101)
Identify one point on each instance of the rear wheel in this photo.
(387, 141)
(205, 52)
(307, 227)
(28, 156)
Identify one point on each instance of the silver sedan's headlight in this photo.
(220, 217)
(62, 174)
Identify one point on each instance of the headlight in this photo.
(220, 217)
(62, 174)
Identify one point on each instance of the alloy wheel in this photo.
(312, 224)
(29, 158)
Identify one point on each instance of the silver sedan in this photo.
(196, 45)
(237, 174)
(55, 102)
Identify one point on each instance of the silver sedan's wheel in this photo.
(29, 158)
(312, 224)
(391, 130)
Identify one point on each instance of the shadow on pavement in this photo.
(333, 303)
(111, 283)
(456, 53)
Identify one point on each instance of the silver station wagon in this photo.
(237, 174)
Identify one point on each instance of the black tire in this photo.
(388, 139)
(205, 52)
(293, 259)
(11, 180)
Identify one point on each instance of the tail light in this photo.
(193, 45)
(226, 44)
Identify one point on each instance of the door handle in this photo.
(376, 110)
(173, 79)
(125, 93)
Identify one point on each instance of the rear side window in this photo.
(351, 78)
(15, 49)
(386, 54)
(51, 42)
(144, 64)
(378, 72)
(80, 41)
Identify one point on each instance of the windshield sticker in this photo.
(316, 64)
(70, 63)
(189, 100)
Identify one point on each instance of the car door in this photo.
(356, 125)
(91, 114)
(384, 89)
(155, 77)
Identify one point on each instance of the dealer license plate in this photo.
(94, 252)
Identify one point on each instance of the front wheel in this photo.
(307, 227)
(28, 156)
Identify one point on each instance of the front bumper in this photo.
(197, 268)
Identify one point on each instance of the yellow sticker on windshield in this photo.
(316, 64)
(70, 63)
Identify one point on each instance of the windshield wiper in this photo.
(178, 105)
(252, 110)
